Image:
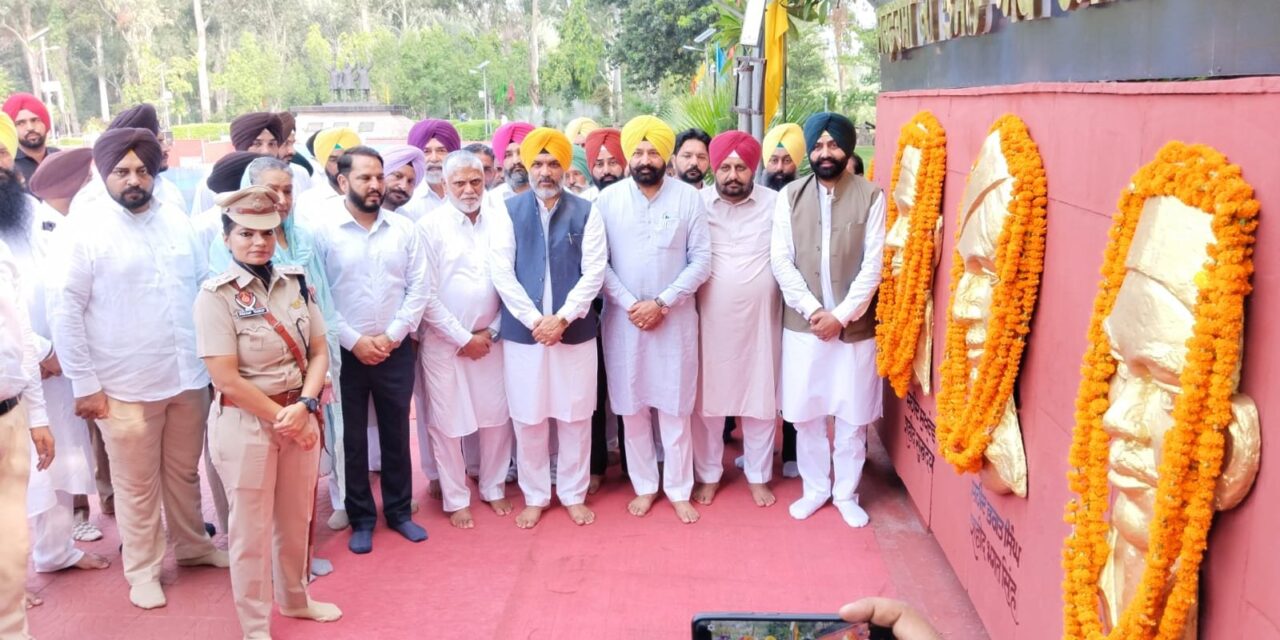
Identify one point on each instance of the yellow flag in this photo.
(775, 56)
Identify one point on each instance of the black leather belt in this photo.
(8, 405)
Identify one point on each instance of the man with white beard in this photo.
(460, 358)
(548, 266)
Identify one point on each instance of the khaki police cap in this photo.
(251, 207)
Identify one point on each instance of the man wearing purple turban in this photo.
(437, 139)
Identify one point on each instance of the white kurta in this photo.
(72, 468)
(658, 248)
(832, 378)
(558, 381)
(463, 394)
(162, 190)
(740, 309)
(315, 203)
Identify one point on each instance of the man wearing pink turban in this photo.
(506, 148)
(740, 322)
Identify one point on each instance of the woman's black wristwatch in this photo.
(312, 404)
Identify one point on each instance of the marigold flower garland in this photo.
(900, 310)
(1192, 457)
(969, 408)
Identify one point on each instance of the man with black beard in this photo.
(506, 148)
(659, 254)
(692, 162)
(134, 372)
(828, 243)
(784, 151)
(378, 302)
(604, 157)
(31, 119)
(325, 193)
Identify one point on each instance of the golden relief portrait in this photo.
(1163, 437)
(913, 223)
(995, 281)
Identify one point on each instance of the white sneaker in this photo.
(790, 470)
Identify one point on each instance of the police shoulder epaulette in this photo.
(212, 284)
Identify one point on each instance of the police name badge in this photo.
(248, 305)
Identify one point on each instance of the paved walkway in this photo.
(620, 578)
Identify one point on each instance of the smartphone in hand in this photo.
(782, 626)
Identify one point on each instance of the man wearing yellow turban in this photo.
(578, 128)
(657, 133)
(659, 254)
(548, 267)
(784, 151)
(546, 140)
(8, 135)
(330, 144)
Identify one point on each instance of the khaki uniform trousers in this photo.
(271, 484)
(15, 466)
(155, 452)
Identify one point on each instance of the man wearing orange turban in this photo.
(740, 322)
(548, 267)
(605, 159)
(659, 254)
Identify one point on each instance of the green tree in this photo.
(651, 36)
(248, 76)
(574, 69)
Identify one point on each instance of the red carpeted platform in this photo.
(620, 578)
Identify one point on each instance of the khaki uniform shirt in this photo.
(226, 325)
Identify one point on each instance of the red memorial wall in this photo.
(1093, 137)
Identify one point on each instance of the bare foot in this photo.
(433, 490)
(501, 506)
(640, 505)
(762, 495)
(685, 511)
(92, 561)
(462, 519)
(705, 493)
(32, 600)
(581, 514)
(529, 517)
(594, 485)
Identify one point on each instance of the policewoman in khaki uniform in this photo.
(263, 341)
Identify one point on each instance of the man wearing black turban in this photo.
(260, 132)
(126, 342)
(828, 267)
(143, 116)
(128, 160)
